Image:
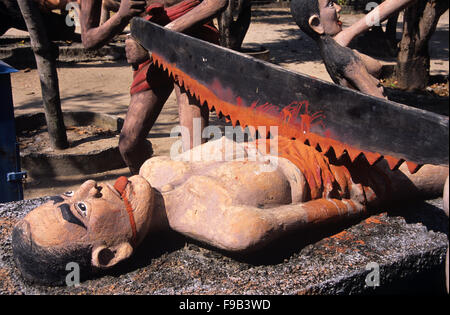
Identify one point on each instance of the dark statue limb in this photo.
(142, 113)
(320, 20)
(234, 22)
(95, 35)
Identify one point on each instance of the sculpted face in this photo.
(107, 222)
(317, 17)
(329, 17)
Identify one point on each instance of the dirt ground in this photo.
(104, 86)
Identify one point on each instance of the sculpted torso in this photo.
(206, 199)
(233, 199)
(238, 205)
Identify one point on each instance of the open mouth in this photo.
(338, 17)
(120, 185)
(114, 190)
(120, 188)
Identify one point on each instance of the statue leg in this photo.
(144, 108)
(427, 183)
(193, 117)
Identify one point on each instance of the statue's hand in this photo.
(111, 5)
(136, 54)
(131, 8)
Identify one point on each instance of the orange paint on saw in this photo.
(293, 121)
(324, 179)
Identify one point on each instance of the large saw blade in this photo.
(257, 93)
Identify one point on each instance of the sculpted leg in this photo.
(193, 117)
(424, 184)
(142, 113)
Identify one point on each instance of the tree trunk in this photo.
(413, 61)
(45, 53)
(391, 31)
(232, 31)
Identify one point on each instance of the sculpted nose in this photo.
(85, 189)
(95, 191)
(338, 7)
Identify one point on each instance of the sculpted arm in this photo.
(243, 228)
(239, 228)
(380, 13)
(372, 65)
(137, 54)
(94, 35)
(357, 74)
(113, 5)
(203, 11)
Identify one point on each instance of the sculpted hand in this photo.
(136, 54)
(131, 8)
(112, 5)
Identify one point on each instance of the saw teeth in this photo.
(326, 148)
(353, 154)
(339, 150)
(393, 163)
(372, 158)
(316, 145)
(413, 167)
(252, 131)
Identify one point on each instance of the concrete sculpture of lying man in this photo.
(236, 201)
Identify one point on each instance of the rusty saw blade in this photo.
(325, 115)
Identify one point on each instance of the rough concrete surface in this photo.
(408, 244)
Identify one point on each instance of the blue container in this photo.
(10, 174)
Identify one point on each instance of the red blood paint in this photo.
(293, 121)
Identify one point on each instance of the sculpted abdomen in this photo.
(248, 183)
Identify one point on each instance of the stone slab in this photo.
(408, 243)
(97, 158)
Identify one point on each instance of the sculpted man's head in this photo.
(96, 226)
(317, 17)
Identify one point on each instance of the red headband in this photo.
(120, 185)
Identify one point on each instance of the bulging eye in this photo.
(82, 208)
(69, 193)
